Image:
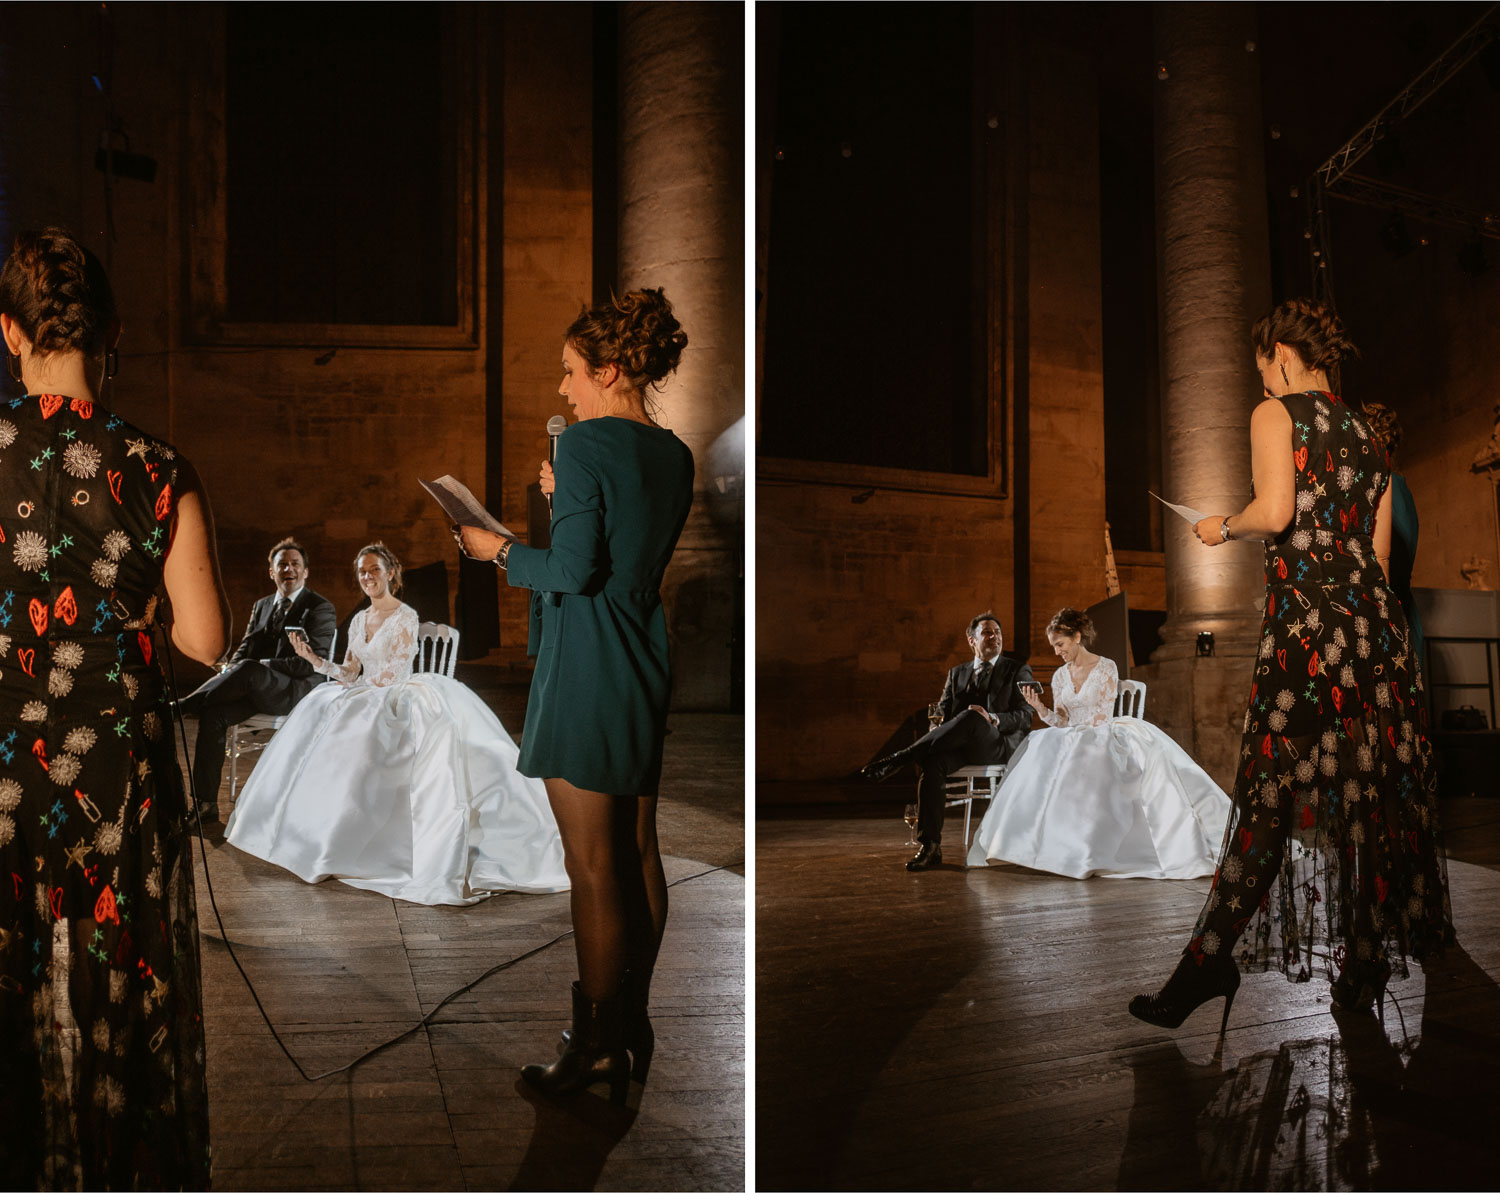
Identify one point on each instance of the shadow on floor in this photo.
(1369, 1105)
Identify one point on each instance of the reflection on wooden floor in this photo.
(967, 1029)
(341, 970)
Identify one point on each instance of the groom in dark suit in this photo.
(264, 674)
(984, 720)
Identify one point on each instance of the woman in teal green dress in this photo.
(1388, 431)
(597, 713)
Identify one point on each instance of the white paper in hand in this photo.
(1182, 511)
(461, 505)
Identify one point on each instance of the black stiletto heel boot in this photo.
(1190, 986)
(595, 1052)
(640, 1037)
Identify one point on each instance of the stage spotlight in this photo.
(1206, 644)
(1471, 258)
(1394, 236)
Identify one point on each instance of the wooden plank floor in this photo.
(341, 970)
(967, 1030)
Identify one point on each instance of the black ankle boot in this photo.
(640, 1037)
(595, 1052)
(1190, 986)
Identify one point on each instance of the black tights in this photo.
(619, 895)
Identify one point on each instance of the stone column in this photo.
(1214, 282)
(682, 228)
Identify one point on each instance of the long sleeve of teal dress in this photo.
(599, 696)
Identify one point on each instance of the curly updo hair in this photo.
(1311, 330)
(387, 557)
(57, 291)
(1384, 424)
(636, 331)
(1074, 621)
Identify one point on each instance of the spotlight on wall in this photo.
(1206, 644)
(1471, 258)
(1394, 236)
(1161, 70)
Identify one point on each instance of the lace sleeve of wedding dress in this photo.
(392, 652)
(347, 673)
(1062, 689)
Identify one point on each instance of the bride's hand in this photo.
(1029, 695)
(299, 644)
(548, 479)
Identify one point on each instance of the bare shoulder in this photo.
(1271, 414)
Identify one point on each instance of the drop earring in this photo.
(1285, 380)
(13, 364)
(112, 364)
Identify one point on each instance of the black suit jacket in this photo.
(316, 616)
(999, 695)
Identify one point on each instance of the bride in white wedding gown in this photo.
(1099, 794)
(395, 782)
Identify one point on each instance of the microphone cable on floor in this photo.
(249, 985)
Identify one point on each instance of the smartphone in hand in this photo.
(1029, 685)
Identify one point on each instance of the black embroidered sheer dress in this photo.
(1332, 854)
(101, 1044)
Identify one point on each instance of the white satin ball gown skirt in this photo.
(409, 789)
(1120, 800)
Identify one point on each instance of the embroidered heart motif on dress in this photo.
(1299, 458)
(38, 611)
(26, 657)
(67, 606)
(51, 404)
(145, 640)
(82, 407)
(54, 900)
(114, 484)
(164, 503)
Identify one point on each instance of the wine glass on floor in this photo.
(910, 816)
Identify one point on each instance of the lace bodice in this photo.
(1092, 704)
(386, 658)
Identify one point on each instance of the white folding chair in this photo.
(969, 783)
(1130, 700)
(248, 737)
(437, 648)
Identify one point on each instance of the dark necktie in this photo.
(283, 607)
(982, 677)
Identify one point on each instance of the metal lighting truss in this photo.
(1333, 178)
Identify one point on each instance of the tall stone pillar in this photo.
(1213, 262)
(682, 228)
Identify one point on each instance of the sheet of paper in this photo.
(461, 505)
(1183, 511)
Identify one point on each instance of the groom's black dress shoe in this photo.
(881, 769)
(927, 857)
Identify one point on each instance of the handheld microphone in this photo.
(556, 425)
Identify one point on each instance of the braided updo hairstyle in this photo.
(387, 557)
(1311, 330)
(1384, 423)
(56, 290)
(636, 331)
(1074, 621)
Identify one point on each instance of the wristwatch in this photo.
(1224, 535)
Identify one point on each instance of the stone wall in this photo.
(863, 592)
